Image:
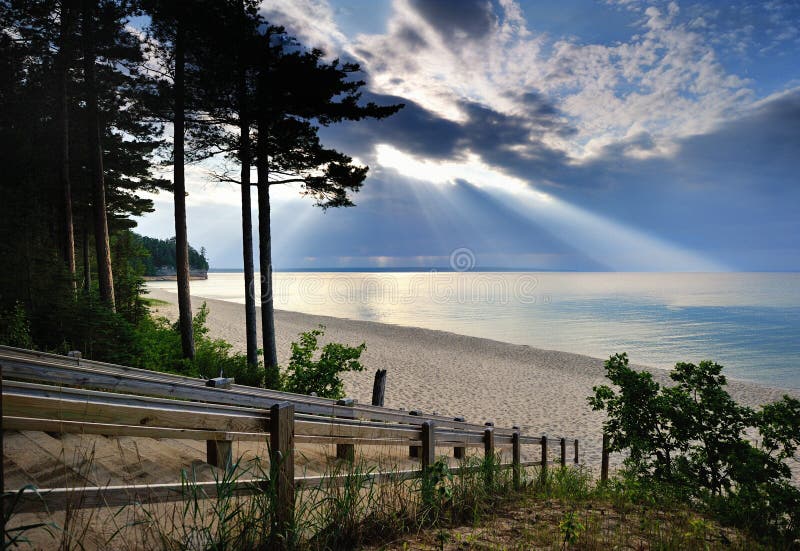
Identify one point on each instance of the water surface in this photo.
(748, 322)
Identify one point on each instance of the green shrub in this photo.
(15, 329)
(305, 375)
(692, 437)
(160, 343)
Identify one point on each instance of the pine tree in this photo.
(174, 27)
(40, 48)
(105, 274)
(295, 91)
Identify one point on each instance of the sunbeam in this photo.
(607, 241)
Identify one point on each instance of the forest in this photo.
(103, 103)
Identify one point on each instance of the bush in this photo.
(15, 329)
(693, 436)
(305, 375)
(160, 343)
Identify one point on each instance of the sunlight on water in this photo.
(748, 322)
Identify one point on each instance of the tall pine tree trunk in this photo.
(87, 262)
(63, 119)
(181, 239)
(245, 156)
(272, 377)
(104, 273)
(247, 230)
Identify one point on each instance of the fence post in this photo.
(428, 445)
(544, 454)
(379, 387)
(459, 452)
(563, 452)
(346, 451)
(488, 452)
(2, 454)
(516, 459)
(414, 451)
(576, 451)
(604, 460)
(219, 453)
(281, 436)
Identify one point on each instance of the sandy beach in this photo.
(543, 391)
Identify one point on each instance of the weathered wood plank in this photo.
(20, 405)
(282, 471)
(428, 449)
(328, 428)
(346, 452)
(219, 453)
(544, 454)
(516, 461)
(32, 365)
(113, 429)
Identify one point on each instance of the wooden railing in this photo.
(47, 392)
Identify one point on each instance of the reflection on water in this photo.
(748, 322)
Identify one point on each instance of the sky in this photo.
(620, 135)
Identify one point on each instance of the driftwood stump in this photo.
(379, 387)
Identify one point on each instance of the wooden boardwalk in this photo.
(46, 395)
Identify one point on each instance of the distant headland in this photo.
(160, 264)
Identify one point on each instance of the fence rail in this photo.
(47, 392)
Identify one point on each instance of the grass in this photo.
(560, 508)
(148, 301)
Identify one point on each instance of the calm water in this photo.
(750, 323)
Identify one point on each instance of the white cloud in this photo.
(311, 21)
(665, 81)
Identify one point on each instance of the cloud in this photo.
(654, 131)
(311, 21)
(454, 18)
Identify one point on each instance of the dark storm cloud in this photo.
(449, 17)
(411, 38)
(413, 129)
(508, 141)
(759, 150)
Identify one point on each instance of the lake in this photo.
(749, 322)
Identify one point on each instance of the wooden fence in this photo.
(61, 394)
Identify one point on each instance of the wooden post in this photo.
(2, 454)
(428, 445)
(459, 452)
(219, 453)
(604, 459)
(488, 453)
(281, 437)
(414, 451)
(576, 451)
(563, 452)
(346, 451)
(379, 387)
(516, 460)
(544, 453)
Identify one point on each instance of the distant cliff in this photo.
(161, 262)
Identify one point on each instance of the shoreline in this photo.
(543, 391)
(652, 368)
